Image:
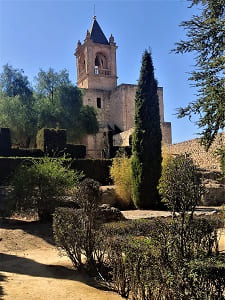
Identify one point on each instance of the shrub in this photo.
(120, 173)
(39, 186)
(152, 266)
(180, 184)
(68, 233)
(75, 231)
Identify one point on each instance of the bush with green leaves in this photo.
(146, 260)
(180, 184)
(42, 185)
(75, 231)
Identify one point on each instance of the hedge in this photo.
(51, 141)
(75, 151)
(23, 152)
(95, 169)
(5, 141)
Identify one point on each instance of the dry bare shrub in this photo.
(120, 173)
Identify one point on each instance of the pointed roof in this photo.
(96, 33)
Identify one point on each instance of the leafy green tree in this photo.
(16, 105)
(146, 145)
(48, 82)
(88, 120)
(205, 38)
(14, 83)
(55, 103)
(20, 117)
(59, 104)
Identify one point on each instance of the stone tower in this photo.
(115, 105)
(96, 60)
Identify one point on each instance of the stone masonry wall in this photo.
(205, 160)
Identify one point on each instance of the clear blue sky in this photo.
(43, 34)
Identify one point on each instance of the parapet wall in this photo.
(205, 160)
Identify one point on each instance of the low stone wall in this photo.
(208, 161)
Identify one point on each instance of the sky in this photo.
(44, 34)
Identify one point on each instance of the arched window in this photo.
(100, 61)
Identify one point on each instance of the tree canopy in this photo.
(147, 137)
(54, 103)
(14, 83)
(206, 39)
(49, 81)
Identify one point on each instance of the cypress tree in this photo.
(147, 137)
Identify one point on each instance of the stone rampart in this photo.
(205, 160)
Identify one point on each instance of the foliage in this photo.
(59, 105)
(165, 155)
(88, 119)
(120, 173)
(14, 83)
(20, 117)
(41, 185)
(48, 82)
(146, 143)
(55, 103)
(75, 231)
(180, 184)
(205, 38)
(150, 264)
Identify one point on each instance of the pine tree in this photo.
(206, 39)
(146, 145)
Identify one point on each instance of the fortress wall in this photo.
(206, 160)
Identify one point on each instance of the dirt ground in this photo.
(31, 267)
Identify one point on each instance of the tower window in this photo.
(99, 104)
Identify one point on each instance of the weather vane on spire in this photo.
(94, 13)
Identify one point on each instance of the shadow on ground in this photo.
(2, 278)
(26, 266)
(36, 228)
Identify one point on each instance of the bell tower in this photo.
(96, 60)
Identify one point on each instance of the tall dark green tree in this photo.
(206, 39)
(147, 137)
